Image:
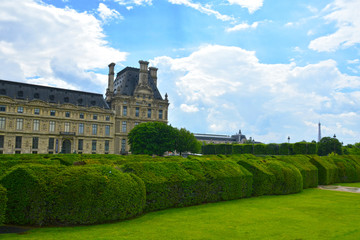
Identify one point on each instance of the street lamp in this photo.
(334, 142)
(253, 141)
(288, 145)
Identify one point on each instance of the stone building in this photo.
(40, 119)
(219, 139)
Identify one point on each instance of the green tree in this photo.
(328, 145)
(186, 142)
(152, 138)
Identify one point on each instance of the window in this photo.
(35, 143)
(93, 145)
(123, 144)
(1, 141)
(66, 99)
(36, 124)
(107, 118)
(2, 123)
(94, 129)
(81, 128)
(136, 123)
(51, 143)
(80, 144)
(18, 142)
(19, 124)
(149, 113)
(81, 115)
(36, 95)
(124, 110)
(52, 112)
(67, 114)
(137, 112)
(124, 126)
(20, 109)
(67, 127)
(107, 130)
(52, 126)
(37, 111)
(160, 114)
(95, 117)
(107, 145)
(2, 108)
(20, 94)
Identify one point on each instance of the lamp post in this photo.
(288, 145)
(253, 141)
(334, 142)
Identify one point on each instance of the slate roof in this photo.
(215, 137)
(127, 79)
(17, 90)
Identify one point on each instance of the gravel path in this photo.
(340, 188)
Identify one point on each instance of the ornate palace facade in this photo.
(39, 119)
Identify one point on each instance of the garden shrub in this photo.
(238, 148)
(27, 188)
(7, 164)
(308, 171)
(248, 148)
(3, 200)
(348, 169)
(259, 149)
(327, 169)
(286, 149)
(272, 149)
(94, 194)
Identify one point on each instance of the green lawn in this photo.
(312, 214)
(349, 184)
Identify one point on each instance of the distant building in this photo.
(217, 139)
(40, 119)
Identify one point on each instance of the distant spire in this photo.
(319, 132)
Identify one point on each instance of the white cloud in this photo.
(43, 44)
(203, 9)
(107, 14)
(234, 90)
(242, 26)
(188, 108)
(346, 15)
(251, 5)
(135, 2)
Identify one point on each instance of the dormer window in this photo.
(66, 99)
(36, 95)
(52, 97)
(80, 101)
(20, 94)
(93, 103)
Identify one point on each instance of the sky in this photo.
(273, 69)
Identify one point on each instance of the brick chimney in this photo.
(143, 76)
(153, 73)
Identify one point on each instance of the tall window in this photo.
(107, 118)
(52, 112)
(137, 110)
(160, 114)
(94, 129)
(19, 124)
(124, 110)
(149, 113)
(107, 130)
(81, 115)
(35, 143)
(124, 126)
(2, 123)
(67, 127)
(93, 145)
(107, 145)
(2, 108)
(18, 141)
(20, 109)
(67, 114)
(37, 111)
(80, 144)
(81, 128)
(51, 143)
(1, 141)
(36, 124)
(95, 117)
(123, 144)
(52, 126)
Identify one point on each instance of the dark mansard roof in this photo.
(127, 80)
(17, 90)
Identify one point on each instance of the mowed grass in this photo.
(349, 184)
(312, 214)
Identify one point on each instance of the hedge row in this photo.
(55, 195)
(260, 149)
(185, 183)
(3, 201)
(327, 170)
(6, 165)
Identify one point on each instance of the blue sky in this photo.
(270, 68)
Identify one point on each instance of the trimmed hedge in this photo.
(27, 190)
(185, 183)
(348, 169)
(327, 169)
(95, 194)
(3, 200)
(308, 171)
(5, 165)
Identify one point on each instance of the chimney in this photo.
(143, 76)
(111, 77)
(153, 73)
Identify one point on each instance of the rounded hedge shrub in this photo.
(94, 194)
(5, 165)
(348, 169)
(327, 169)
(3, 200)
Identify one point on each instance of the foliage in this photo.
(272, 149)
(152, 138)
(3, 200)
(327, 170)
(328, 145)
(186, 142)
(348, 169)
(7, 164)
(286, 149)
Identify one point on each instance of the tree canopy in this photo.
(328, 145)
(157, 138)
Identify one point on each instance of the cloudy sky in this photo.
(270, 68)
